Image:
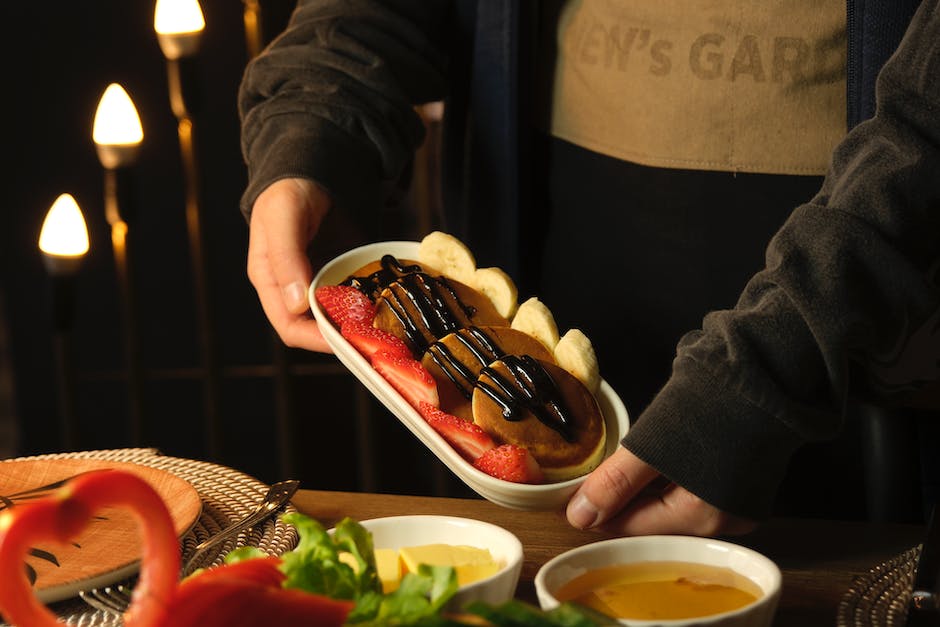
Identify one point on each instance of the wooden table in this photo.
(819, 558)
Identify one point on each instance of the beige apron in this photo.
(726, 85)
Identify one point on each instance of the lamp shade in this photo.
(117, 131)
(116, 119)
(63, 239)
(178, 24)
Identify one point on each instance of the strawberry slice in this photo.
(343, 303)
(408, 376)
(368, 340)
(510, 462)
(466, 437)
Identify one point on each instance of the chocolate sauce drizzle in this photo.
(372, 285)
(439, 310)
(480, 345)
(532, 388)
(529, 386)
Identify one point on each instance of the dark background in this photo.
(282, 412)
(319, 426)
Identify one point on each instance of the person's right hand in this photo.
(284, 220)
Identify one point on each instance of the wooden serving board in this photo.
(109, 548)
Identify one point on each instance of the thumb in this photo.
(291, 269)
(608, 489)
(286, 217)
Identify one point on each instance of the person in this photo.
(638, 209)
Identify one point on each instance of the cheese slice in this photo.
(387, 566)
(471, 563)
(389, 569)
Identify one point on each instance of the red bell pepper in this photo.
(246, 593)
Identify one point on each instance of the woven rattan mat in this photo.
(226, 494)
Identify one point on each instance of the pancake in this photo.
(421, 309)
(455, 361)
(375, 276)
(538, 405)
(418, 307)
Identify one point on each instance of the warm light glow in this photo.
(173, 17)
(116, 120)
(64, 233)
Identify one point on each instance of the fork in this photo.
(117, 598)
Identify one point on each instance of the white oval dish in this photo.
(396, 532)
(747, 562)
(513, 495)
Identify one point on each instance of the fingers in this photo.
(676, 511)
(608, 489)
(627, 496)
(284, 220)
(296, 331)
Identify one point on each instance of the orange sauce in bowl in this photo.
(660, 590)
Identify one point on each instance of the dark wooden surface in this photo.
(819, 558)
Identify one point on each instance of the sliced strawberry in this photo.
(466, 437)
(408, 376)
(343, 303)
(368, 340)
(510, 463)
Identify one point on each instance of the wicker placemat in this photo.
(227, 495)
(880, 597)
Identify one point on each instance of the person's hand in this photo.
(284, 220)
(627, 496)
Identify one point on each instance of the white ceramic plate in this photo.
(505, 493)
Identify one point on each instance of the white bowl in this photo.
(548, 496)
(396, 532)
(751, 564)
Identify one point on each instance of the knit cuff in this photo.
(705, 438)
(291, 146)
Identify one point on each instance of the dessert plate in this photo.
(513, 495)
(109, 548)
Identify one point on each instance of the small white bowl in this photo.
(397, 532)
(751, 564)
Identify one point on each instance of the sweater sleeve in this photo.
(332, 98)
(849, 279)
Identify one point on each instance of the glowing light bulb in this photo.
(176, 17)
(64, 236)
(179, 25)
(116, 119)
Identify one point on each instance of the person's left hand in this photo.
(627, 496)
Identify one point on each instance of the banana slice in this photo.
(448, 255)
(575, 354)
(534, 318)
(496, 284)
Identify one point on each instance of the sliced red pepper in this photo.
(244, 593)
(60, 516)
(250, 593)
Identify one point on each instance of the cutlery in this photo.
(116, 599)
(924, 606)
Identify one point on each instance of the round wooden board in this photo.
(109, 548)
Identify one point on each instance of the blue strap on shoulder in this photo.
(874, 29)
